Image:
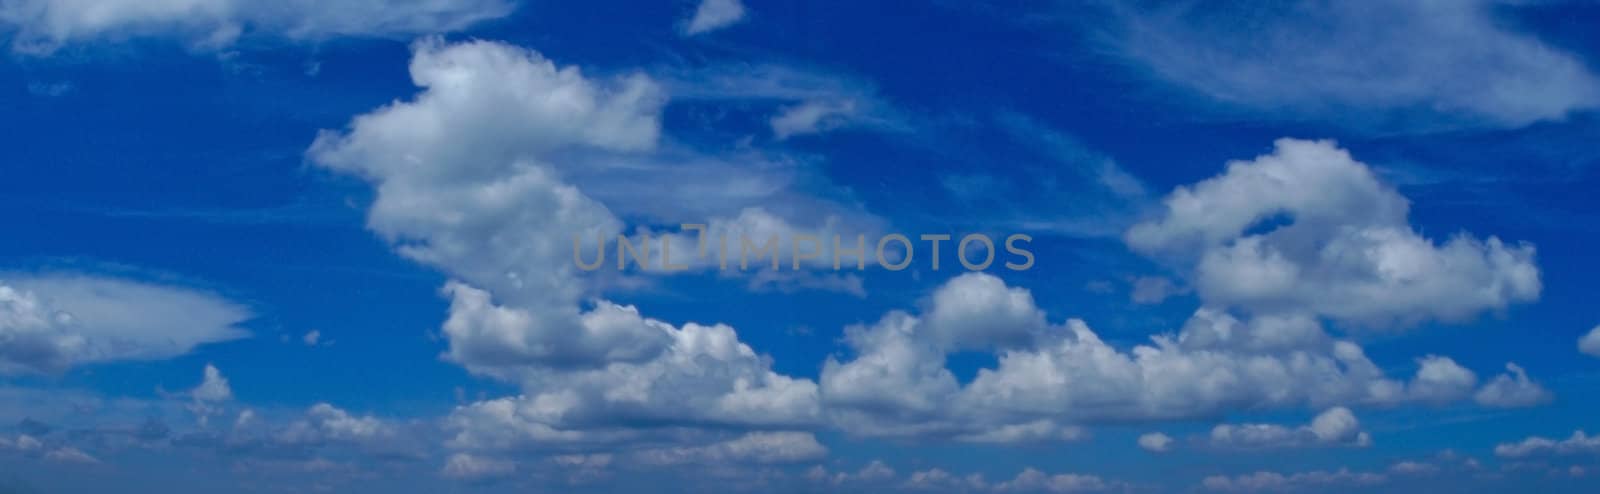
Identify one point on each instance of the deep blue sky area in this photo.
(1305, 247)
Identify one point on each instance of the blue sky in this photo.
(1314, 247)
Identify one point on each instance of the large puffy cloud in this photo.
(897, 384)
(505, 158)
(42, 26)
(485, 175)
(1373, 64)
(1309, 229)
(51, 323)
(705, 377)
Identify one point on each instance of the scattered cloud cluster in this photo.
(1343, 479)
(40, 27)
(877, 476)
(504, 157)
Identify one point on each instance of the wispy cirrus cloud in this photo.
(1386, 65)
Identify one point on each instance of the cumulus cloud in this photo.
(210, 394)
(938, 480)
(1590, 343)
(51, 323)
(43, 26)
(1031, 480)
(1155, 442)
(213, 386)
(712, 15)
(462, 466)
(875, 472)
(1578, 443)
(705, 377)
(1335, 426)
(1381, 65)
(1441, 380)
(897, 384)
(485, 174)
(1309, 229)
(533, 155)
(1512, 390)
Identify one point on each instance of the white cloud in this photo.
(505, 157)
(207, 398)
(70, 455)
(1441, 380)
(485, 174)
(327, 422)
(43, 26)
(712, 15)
(1414, 468)
(1579, 443)
(811, 117)
(938, 480)
(26, 442)
(311, 337)
(704, 377)
(875, 472)
(754, 447)
(1156, 442)
(1382, 65)
(51, 323)
(804, 101)
(1031, 480)
(1277, 482)
(1038, 431)
(1346, 250)
(1512, 390)
(897, 383)
(1335, 426)
(213, 386)
(1590, 343)
(1152, 290)
(463, 466)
